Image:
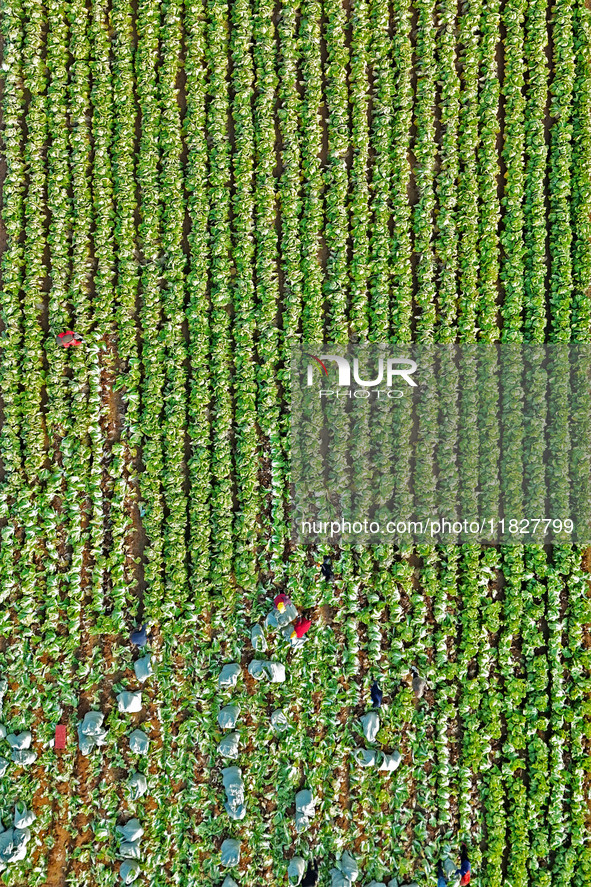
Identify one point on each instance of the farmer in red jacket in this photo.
(281, 602)
(300, 627)
(69, 338)
(464, 870)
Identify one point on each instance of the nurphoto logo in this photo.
(395, 368)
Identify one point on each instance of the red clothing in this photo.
(301, 626)
(60, 736)
(282, 599)
(69, 338)
(465, 869)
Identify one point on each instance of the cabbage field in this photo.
(194, 187)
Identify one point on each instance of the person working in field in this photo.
(376, 695)
(465, 870)
(311, 876)
(283, 612)
(69, 338)
(139, 637)
(281, 602)
(326, 569)
(299, 628)
(441, 878)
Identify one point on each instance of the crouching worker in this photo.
(69, 338)
(281, 602)
(441, 878)
(326, 569)
(311, 876)
(464, 870)
(376, 694)
(140, 636)
(300, 627)
(282, 613)
(295, 632)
